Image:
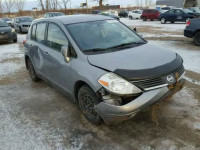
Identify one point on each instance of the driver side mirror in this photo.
(134, 29)
(65, 53)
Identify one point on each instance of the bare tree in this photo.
(54, 4)
(100, 2)
(19, 4)
(8, 5)
(1, 7)
(65, 2)
(41, 3)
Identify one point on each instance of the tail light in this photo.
(24, 41)
(188, 23)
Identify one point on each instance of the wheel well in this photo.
(77, 86)
(26, 61)
(196, 32)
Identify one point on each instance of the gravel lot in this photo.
(35, 116)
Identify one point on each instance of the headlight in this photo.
(117, 84)
(13, 30)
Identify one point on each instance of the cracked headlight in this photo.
(117, 84)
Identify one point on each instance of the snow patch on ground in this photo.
(191, 57)
(156, 24)
(9, 68)
(146, 35)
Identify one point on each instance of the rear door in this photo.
(179, 15)
(170, 15)
(36, 46)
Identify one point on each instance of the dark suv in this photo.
(192, 30)
(150, 14)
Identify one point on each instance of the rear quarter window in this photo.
(33, 32)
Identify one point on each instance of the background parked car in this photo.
(9, 21)
(135, 14)
(6, 32)
(96, 12)
(22, 24)
(53, 14)
(123, 14)
(110, 15)
(150, 14)
(192, 30)
(195, 9)
(173, 15)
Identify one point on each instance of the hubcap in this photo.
(88, 104)
(163, 20)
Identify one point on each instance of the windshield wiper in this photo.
(126, 44)
(95, 50)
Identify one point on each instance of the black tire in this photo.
(15, 40)
(131, 17)
(144, 18)
(32, 72)
(20, 30)
(152, 19)
(87, 99)
(197, 38)
(162, 20)
(172, 21)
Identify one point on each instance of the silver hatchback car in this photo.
(104, 66)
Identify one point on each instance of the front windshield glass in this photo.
(58, 14)
(103, 35)
(3, 24)
(187, 11)
(27, 19)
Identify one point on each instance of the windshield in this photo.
(103, 35)
(3, 24)
(27, 19)
(195, 8)
(187, 11)
(6, 19)
(58, 14)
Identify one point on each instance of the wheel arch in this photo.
(198, 30)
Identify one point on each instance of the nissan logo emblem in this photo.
(170, 78)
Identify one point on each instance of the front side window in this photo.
(40, 33)
(56, 37)
(103, 35)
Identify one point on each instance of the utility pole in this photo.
(87, 5)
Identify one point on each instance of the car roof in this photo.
(71, 19)
(24, 17)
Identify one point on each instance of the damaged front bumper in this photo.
(114, 114)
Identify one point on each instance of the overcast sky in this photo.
(76, 3)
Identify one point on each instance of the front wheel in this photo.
(32, 72)
(131, 17)
(15, 40)
(162, 20)
(87, 100)
(197, 38)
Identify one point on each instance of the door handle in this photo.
(46, 53)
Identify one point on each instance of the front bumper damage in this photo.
(112, 114)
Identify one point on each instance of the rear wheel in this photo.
(144, 18)
(197, 38)
(87, 100)
(15, 40)
(172, 21)
(162, 20)
(32, 72)
(20, 30)
(152, 19)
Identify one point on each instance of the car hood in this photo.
(25, 23)
(5, 29)
(140, 62)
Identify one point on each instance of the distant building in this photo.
(179, 3)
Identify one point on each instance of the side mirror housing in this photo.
(65, 53)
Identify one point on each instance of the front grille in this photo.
(152, 83)
(148, 83)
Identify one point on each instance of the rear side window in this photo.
(40, 32)
(56, 37)
(33, 32)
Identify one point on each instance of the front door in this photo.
(56, 68)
